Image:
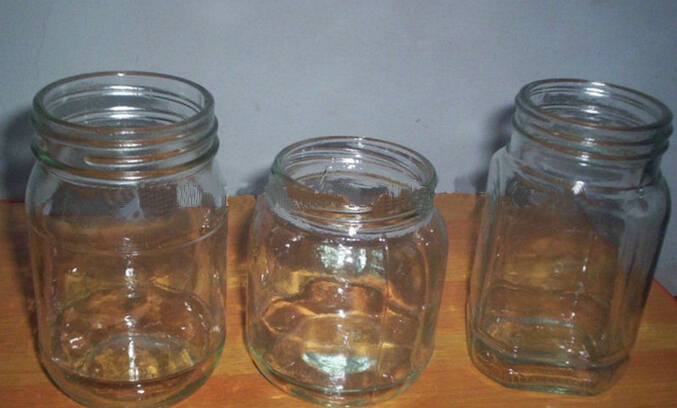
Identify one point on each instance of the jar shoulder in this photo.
(276, 233)
(52, 192)
(510, 176)
(155, 212)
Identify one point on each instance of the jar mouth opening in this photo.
(594, 104)
(591, 122)
(110, 102)
(352, 179)
(124, 125)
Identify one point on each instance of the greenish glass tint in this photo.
(128, 232)
(347, 258)
(573, 222)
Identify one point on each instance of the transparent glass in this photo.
(574, 217)
(128, 232)
(347, 262)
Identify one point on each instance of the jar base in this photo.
(152, 393)
(333, 397)
(534, 375)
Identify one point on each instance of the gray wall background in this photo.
(437, 76)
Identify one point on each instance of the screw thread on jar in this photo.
(124, 125)
(330, 183)
(605, 127)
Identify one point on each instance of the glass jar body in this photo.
(567, 246)
(342, 314)
(128, 262)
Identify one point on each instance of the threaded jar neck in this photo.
(124, 125)
(342, 182)
(592, 121)
(596, 134)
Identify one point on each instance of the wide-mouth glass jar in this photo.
(347, 259)
(127, 225)
(575, 214)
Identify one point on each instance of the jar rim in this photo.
(353, 182)
(278, 167)
(662, 114)
(40, 108)
(123, 124)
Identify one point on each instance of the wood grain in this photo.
(450, 380)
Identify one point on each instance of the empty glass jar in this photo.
(347, 262)
(575, 213)
(128, 231)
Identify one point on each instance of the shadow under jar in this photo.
(347, 260)
(128, 237)
(575, 214)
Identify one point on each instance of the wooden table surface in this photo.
(450, 380)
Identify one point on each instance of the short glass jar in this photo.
(128, 237)
(347, 263)
(576, 209)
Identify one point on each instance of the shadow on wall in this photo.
(255, 184)
(16, 157)
(499, 134)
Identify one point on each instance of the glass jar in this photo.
(347, 261)
(128, 232)
(576, 209)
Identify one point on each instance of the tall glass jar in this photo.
(575, 214)
(127, 225)
(347, 263)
